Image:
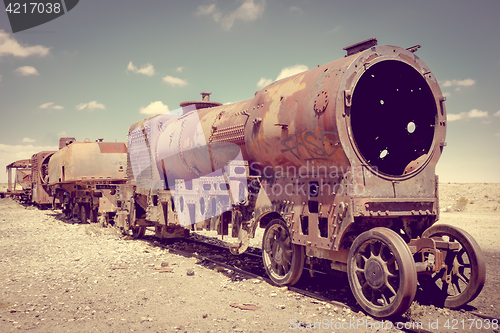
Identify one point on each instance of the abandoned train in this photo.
(337, 162)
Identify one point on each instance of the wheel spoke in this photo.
(461, 275)
(391, 289)
(455, 287)
(385, 299)
(438, 276)
(460, 257)
(287, 256)
(373, 297)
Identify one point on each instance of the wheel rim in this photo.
(283, 260)
(467, 267)
(382, 274)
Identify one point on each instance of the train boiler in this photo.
(337, 163)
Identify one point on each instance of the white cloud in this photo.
(12, 153)
(26, 70)
(285, 72)
(154, 108)
(50, 105)
(447, 94)
(459, 83)
(453, 117)
(334, 30)
(179, 69)
(296, 9)
(147, 69)
(26, 139)
(10, 46)
(249, 11)
(62, 134)
(175, 81)
(289, 71)
(91, 106)
(205, 10)
(264, 82)
(497, 114)
(474, 113)
(45, 105)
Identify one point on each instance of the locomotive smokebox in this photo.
(378, 112)
(380, 108)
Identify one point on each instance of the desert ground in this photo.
(59, 275)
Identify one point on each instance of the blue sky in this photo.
(90, 72)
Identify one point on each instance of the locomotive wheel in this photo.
(382, 274)
(83, 214)
(283, 260)
(138, 232)
(94, 215)
(466, 266)
(75, 210)
(103, 220)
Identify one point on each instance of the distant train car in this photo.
(82, 177)
(40, 195)
(20, 186)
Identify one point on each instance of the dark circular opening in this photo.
(392, 116)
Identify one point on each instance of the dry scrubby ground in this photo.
(60, 276)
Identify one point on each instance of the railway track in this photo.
(319, 284)
(317, 281)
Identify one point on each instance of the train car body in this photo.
(83, 176)
(39, 179)
(336, 163)
(20, 186)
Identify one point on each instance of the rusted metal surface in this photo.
(329, 153)
(307, 134)
(204, 103)
(24, 168)
(20, 186)
(83, 177)
(337, 162)
(41, 195)
(88, 161)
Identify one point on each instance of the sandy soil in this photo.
(60, 276)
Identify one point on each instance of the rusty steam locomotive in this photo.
(336, 163)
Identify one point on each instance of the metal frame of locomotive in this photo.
(336, 163)
(83, 177)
